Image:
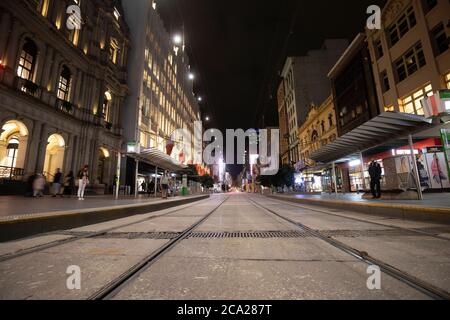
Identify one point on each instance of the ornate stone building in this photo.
(318, 130)
(61, 90)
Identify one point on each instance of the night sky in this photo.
(237, 48)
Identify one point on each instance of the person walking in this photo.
(83, 181)
(375, 179)
(57, 180)
(165, 185)
(69, 184)
(38, 186)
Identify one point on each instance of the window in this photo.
(401, 26)
(410, 62)
(440, 39)
(411, 104)
(389, 109)
(114, 50)
(116, 14)
(27, 60)
(11, 152)
(64, 84)
(447, 80)
(378, 49)
(330, 120)
(385, 81)
(428, 5)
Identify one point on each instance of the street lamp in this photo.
(207, 118)
(191, 76)
(177, 39)
(200, 99)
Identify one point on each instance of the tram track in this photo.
(421, 232)
(404, 277)
(53, 244)
(115, 286)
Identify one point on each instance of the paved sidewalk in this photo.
(19, 206)
(431, 200)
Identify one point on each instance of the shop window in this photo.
(27, 60)
(410, 62)
(440, 39)
(411, 104)
(64, 84)
(401, 27)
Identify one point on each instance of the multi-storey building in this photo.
(353, 86)
(411, 56)
(283, 124)
(306, 84)
(161, 96)
(61, 87)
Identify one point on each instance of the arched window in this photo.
(64, 84)
(13, 146)
(27, 60)
(314, 136)
(322, 124)
(330, 120)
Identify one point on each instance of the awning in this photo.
(159, 159)
(382, 129)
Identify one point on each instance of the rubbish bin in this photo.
(184, 191)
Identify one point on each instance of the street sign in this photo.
(133, 147)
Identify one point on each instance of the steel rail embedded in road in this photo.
(424, 233)
(57, 243)
(418, 284)
(116, 285)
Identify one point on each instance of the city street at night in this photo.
(234, 159)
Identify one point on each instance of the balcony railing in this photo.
(64, 106)
(9, 173)
(28, 87)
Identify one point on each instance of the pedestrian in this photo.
(69, 184)
(144, 186)
(165, 184)
(83, 181)
(38, 186)
(57, 180)
(375, 179)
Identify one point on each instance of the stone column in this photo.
(12, 48)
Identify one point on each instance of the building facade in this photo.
(411, 56)
(319, 130)
(306, 84)
(61, 88)
(283, 124)
(354, 88)
(161, 96)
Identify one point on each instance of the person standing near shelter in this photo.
(165, 185)
(83, 181)
(375, 179)
(69, 184)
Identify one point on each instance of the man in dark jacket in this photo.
(57, 180)
(375, 179)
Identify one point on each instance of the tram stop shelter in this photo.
(384, 132)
